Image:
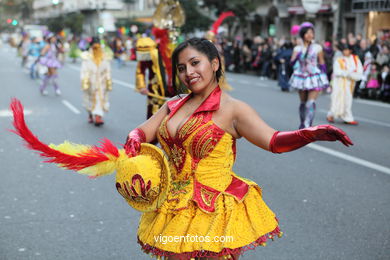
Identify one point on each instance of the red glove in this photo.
(133, 142)
(282, 142)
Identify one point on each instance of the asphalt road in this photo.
(332, 202)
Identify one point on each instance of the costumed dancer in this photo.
(198, 133)
(74, 51)
(96, 81)
(148, 62)
(23, 48)
(34, 52)
(155, 56)
(347, 69)
(49, 58)
(309, 76)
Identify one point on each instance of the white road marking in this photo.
(362, 119)
(8, 113)
(70, 106)
(350, 158)
(372, 103)
(124, 84)
(368, 102)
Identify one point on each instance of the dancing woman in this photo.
(198, 133)
(49, 58)
(309, 76)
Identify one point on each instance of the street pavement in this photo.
(332, 202)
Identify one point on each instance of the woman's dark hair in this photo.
(202, 45)
(343, 46)
(304, 30)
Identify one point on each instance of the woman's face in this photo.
(53, 39)
(309, 35)
(195, 70)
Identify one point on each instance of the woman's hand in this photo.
(133, 142)
(288, 141)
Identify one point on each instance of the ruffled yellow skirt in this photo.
(233, 228)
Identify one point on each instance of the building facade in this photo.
(97, 13)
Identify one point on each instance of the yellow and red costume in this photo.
(148, 60)
(206, 198)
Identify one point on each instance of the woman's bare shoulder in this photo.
(233, 103)
(177, 97)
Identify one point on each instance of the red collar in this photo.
(211, 103)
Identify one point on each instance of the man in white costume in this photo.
(347, 69)
(96, 81)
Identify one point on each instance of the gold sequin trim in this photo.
(190, 126)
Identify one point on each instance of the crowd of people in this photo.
(299, 63)
(270, 58)
(266, 57)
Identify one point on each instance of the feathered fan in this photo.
(143, 180)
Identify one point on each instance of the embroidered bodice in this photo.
(201, 156)
(307, 64)
(52, 52)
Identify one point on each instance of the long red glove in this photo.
(133, 142)
(282, 142)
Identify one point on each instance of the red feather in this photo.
(73, 162)
(220, 20)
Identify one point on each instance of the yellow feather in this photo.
(70, 148)
(100, 169)
(105, 168)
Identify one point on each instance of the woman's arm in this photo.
(321, 62)
(321, 58)
(151, 125)
(295, 57)
(249, 125)
(45, 49)
(145, 133)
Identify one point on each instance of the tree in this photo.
(194, 19)
(74, 22)
(56, 24)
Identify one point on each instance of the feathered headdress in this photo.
(220, 20)
(142, 180)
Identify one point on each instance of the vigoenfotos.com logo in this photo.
(192, 239)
